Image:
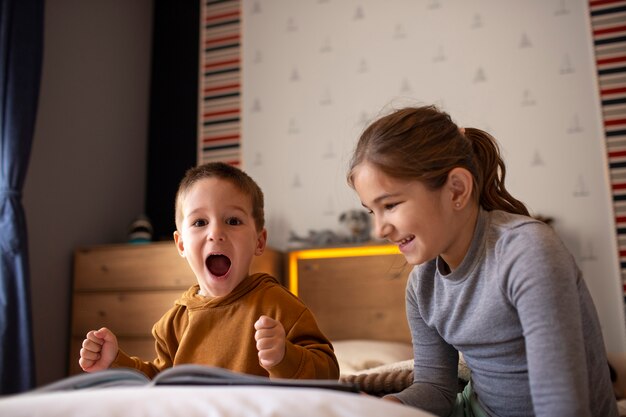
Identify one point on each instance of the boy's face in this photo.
(218, 235)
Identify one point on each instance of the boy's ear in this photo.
(460, 184)
(261, 242)
(178, 240)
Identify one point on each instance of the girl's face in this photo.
(408, 214)
(218, 235)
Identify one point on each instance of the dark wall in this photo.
(173, 108)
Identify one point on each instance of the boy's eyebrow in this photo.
(242, 209)
(234, 207)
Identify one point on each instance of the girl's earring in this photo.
(457, 205)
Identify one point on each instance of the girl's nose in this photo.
(381, 228)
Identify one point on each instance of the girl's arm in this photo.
(543, 283)
(435, 370)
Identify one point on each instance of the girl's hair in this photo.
(226, 172)
(423, 143)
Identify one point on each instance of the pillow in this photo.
(357, 355)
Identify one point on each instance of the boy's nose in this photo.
(216, 232)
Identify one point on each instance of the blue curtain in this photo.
(21, 44)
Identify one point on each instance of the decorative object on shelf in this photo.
(140, 230)
(316, 238)
(356, 225)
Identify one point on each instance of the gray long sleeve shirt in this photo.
(519, 311)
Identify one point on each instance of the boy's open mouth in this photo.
(218, 265)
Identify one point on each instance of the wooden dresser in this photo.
(128, 287)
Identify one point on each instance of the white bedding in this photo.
(195, 401)
(354, 356)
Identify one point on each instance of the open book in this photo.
(186, 374)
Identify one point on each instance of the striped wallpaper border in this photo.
(219, 101)
(608, 23)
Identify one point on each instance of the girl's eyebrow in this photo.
(384, 196)
(381, 198)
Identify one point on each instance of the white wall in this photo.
(86, 176)
(316, 72)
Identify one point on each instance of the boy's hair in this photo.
(223, 171)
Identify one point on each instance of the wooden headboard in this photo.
(354, 292)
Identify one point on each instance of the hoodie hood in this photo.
(192, 300)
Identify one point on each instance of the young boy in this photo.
(229, 319)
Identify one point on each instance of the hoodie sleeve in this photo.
(308, 353)
(165, 345)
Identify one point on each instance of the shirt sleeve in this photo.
(163, 358)
(308, 353)
(435, 369)
(541, 280)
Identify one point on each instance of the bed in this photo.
(362, 286)
(202, 401)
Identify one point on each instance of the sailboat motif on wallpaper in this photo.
(477, 22)
(566, 65)
(581, 189)
(525, 42)
(480, 76)
(562, 8)
(588, 253)
(358, 14)
(399, 32)
(575, 126)
(326, 46)
(537, 160)
(363, 67)
(528, 99)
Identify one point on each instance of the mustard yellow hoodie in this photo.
(220, 331)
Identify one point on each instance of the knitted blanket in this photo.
(394, 377)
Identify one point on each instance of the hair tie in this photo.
(462, 130)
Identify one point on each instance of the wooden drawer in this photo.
(155, 265)
(125, 313)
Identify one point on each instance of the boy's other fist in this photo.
(99, 350)
(270, 341)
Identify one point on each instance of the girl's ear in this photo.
(460, 184)
(178, 240)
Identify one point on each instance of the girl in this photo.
(489, 281)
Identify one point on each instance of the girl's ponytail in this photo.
(490, 174)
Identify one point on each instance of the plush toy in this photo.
(140, 230)
(358, 224)
(317, 238)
